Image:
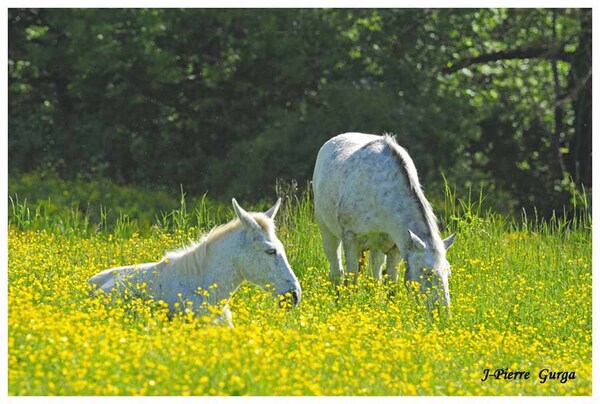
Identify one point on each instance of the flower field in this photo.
(521, 301)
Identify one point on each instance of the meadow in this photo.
(521, 301)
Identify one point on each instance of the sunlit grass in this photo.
(521, 299)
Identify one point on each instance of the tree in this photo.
(227, 101)
(579, 84)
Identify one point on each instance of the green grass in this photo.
(521, 299)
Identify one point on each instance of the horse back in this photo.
(358, 184)
(119, 278)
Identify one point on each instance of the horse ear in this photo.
(416, 241)
(246, 219)
(273, 211)
(449, 240)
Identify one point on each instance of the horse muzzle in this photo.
(290, 299)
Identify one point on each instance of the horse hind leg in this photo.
(333, 252)
(352, 253)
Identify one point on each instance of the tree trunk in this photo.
(581, 83)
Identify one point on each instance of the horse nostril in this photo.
(295, 297)
(289, 299)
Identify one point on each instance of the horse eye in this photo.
(271, 251)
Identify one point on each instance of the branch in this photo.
(523, 53)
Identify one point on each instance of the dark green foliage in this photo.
(227, 101)
(45, 201)
(100, 202)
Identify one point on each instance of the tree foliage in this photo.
(226, 101)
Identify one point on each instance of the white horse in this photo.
(367, 194)
(211, 270)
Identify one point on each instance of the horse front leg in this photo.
(225, 317)
(377, 261)
(393, 260)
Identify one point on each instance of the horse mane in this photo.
(410, 175)
(190, 258)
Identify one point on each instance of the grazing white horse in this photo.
(367, 194)
(211, 270)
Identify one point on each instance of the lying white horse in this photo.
(367, 194)
(245, 249)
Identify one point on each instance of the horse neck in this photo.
(217, 266)
(431, 237)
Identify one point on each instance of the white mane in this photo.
(190, 259)
(413, 181)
